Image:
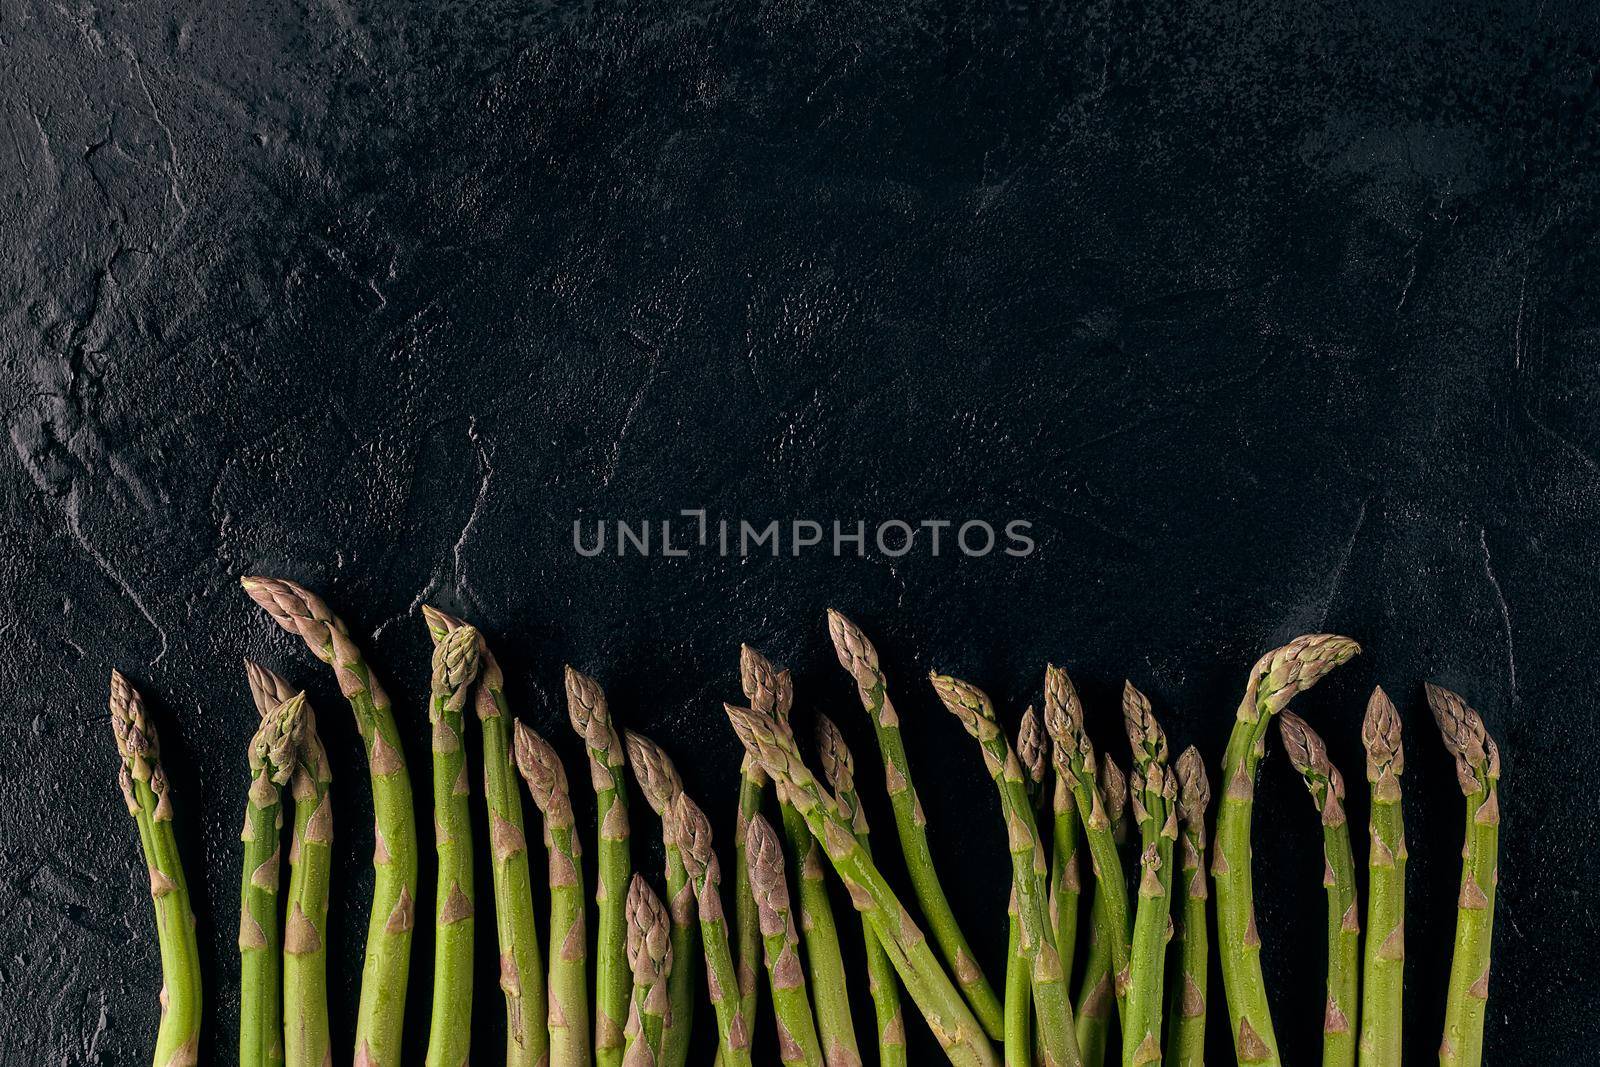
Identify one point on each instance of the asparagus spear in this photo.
(798, 1042)
(1154, 792)
(760, 687)
(1036, 943)
(1097, 993)
(1478, 773)
(1383, 972)
(1076, 763)
(839, 769)
(381, 1016)
(568, 1017)
(591, 718)
(148, 796)
(1309, 755)
(771, 743)
(455, 667)
(858, 657)
(516, 931)
(1274, 681)
(1186, 1011)
(705, 877)
(650, 959)
(660, 785)
(1065, 881)
(1020, 1049)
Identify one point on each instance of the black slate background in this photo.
(1269, 318)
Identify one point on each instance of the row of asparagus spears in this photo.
(628, 996)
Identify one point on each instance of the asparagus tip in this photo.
(649, 945)
(541, 769)
(1465, 736)
(1194, 788)
(277, 740)
(838, 765)
(653, 768)
(1032, 745)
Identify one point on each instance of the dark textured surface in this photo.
(1270, 318)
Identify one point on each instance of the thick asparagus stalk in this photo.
(1097, 992)
(1274, 681)
(1384, 962)
(798, 1043)
(384, 974)
(705, 877)
(858, 656)
(1478, 772)
(1036, 943)
(568, 1018)
(1186, 1009)
(650, 959)
(771, 743)
(516, 931)
(761, 688)
(660, 785)
(591, 718)
(839, 769)
(1154, 793)
(148, 796)
(1309, 755)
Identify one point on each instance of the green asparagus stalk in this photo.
(1384, 962)
(1097, 992)
(1478, 773)
(1154, 793)
(857, 655)
(1033, 751)
(650, 959)
(1274, 681)
(568, 1017)
(1309, 755)
(1036, 942)
(455, 667)
(591, 718)
(771, 743)
(839, 770)
(1066, 886)
(761, 688)
(798, 1043)
(381, 1016)
(148, 796)
(1076, 763)
(1186, 1010)
(306, 1039)
(660, 785)
(705, 878)
(522, 975)
(1018, 1044)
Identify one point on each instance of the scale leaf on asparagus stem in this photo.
(1384, 958)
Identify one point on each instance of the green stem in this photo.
(1066, 886)
(273, 754)
(1384, 960)
(1186, 1007)
(1154, 792)
(746, 921)
(306, 1039)
(705, 880)
(1018, 1002)
(820, 935)
(798, 1042)
(1096, 997)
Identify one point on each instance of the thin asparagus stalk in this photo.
(1033, 750)
(522, 975)
(1076, 762)
(381, 1016)
(147, 794)
(857, 655)
(798, 1042)
(1066, 886)
(760, 687)
(1097, 993)
(455, 667)
(660, 785)
(1309, 755)
(1036, 942)
(771, 743)
(591, 718)
(650, 959)
(705, 878)
(568, 1017)
(1186, 1009)
(1478, 772)
(839, 769)
(1018, 1044)
(1154, 793)
(1384, 962)
(1274, 680)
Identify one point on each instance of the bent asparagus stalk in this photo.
(1478, 773)
(660, 785)
(1186, 1008)
(385, 972)
(147, 794)
(857, 655)
(1274, 681)
(516, 931)
(1154, 794)
(1384, 960)
(771, 743)
(568, 985)
(798, 1043)
(650, 960)
(591, 718)
(705, 878)
(1097, 993)
(1309, 755)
